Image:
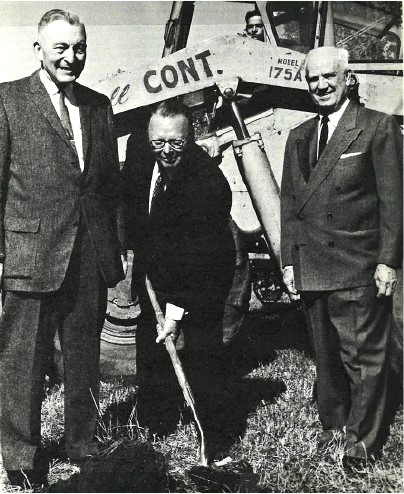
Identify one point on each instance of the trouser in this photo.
(351, 332)
(27, 329)
(200, 348)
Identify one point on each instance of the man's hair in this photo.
(172, 108)
(252, 13)
(330, 51)
(58, 14)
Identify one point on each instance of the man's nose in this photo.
(322, 82)
(69, 55)
(167, 147)
(254, 29)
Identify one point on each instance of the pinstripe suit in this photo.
(59, 237)
(338, 224)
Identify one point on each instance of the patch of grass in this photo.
(272, 433)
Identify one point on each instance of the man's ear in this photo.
(38, 51)
(349, 81)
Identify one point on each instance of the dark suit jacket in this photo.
(44, 195)
(348, 217)
(186, 247)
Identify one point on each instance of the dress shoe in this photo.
(354, 464)
(34, 480)
(83, 451)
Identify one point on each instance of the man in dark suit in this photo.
(178, 206)
(59, 248)
(341, 211)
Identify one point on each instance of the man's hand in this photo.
(386, 280)
(171, 327)
(289, 280)
(124, 260)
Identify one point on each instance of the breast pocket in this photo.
(21, 238)
(350, 172)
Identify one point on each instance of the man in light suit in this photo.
(341, 209)
(178, 205)
(59, 247)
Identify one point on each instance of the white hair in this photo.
(341, 54)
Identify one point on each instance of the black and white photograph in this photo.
(201, 244)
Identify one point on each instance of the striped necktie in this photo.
(157, 191)
(65, 117)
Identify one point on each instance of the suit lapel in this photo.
(306, 148)
(41, 99)
(345, 133)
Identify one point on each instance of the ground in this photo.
(270, 443)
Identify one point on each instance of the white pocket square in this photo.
(349, 155)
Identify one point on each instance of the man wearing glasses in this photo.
(178, 205)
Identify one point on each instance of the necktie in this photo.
(323, 136)
(157, 191)
(64, 117)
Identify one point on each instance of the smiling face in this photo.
(328, 81)
(173, 128)
(62, 51)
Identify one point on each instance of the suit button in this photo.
(331, 244)
(294, 197)
(338, 189)
(297, 246)
(76, 223)
(329, 216)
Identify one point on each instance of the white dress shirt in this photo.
(334, 118)
(72, 108)
(172, 311)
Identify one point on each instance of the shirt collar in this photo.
(52, 89)
(335, 117)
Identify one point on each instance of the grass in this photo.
(271, 437)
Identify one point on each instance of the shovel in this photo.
(179, 370)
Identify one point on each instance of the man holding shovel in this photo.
(178, 205)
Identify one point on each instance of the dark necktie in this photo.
(323, 136)
(157, 191)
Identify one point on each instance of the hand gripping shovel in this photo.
(179, 370)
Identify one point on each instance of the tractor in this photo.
(246, 95)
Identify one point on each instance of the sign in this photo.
(202, 66)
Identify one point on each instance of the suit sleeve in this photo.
(207, 251)
(289, 226)
(386, 153)
(4, 167)
(202, 251)
(114, 185)
(132, 181)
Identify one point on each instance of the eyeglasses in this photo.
(176, 144)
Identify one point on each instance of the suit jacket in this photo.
(186, 246)
(347, 217)
(44, 196)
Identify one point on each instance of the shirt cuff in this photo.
(174, 312)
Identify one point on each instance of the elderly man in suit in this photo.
(178, 206)
(59, 247)
(341, 209)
